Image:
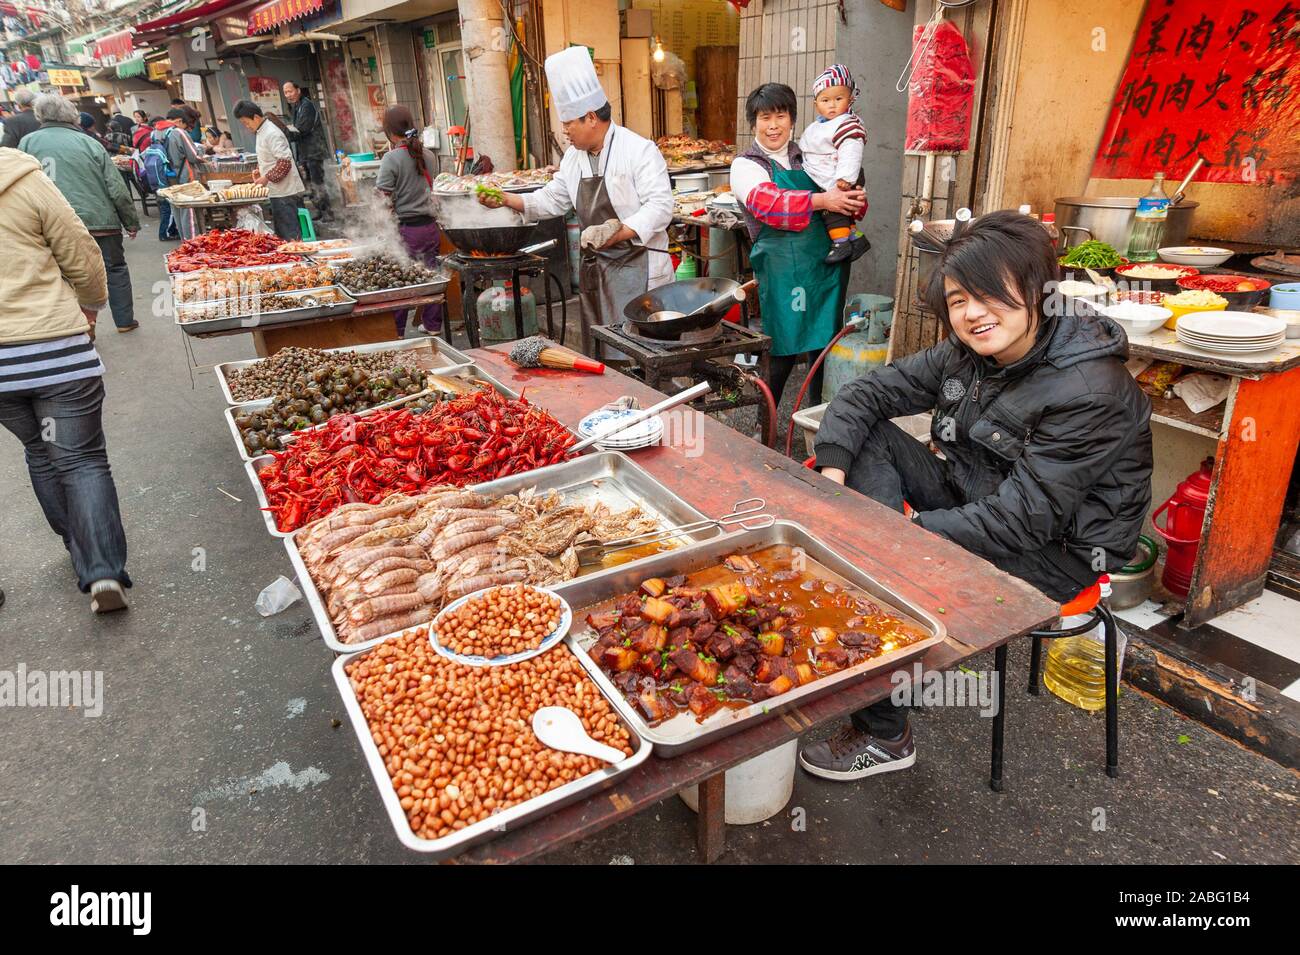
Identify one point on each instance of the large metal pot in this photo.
(1110, 220)
(473, 227)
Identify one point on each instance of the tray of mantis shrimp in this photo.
(370, 570)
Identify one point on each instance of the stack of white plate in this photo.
(642, 435)
(1231, 332)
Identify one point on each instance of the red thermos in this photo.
(1182, 530)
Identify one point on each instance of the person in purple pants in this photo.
(405, 180)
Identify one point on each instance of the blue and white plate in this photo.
(641, 435)
(478, 660)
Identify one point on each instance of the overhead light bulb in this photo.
(659, 51)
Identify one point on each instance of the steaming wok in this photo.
(663, 312)
(473, 227)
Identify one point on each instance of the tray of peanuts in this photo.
(451, 746)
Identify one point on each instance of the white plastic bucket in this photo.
(757, 789)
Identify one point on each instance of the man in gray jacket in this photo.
(83, 171)
(22, 122)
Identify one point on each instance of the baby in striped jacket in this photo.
(832, 155)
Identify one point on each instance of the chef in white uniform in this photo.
(617, 183)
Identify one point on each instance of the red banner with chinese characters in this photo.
(270, 15)
(1216, 79)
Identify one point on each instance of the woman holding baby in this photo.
(799, 205)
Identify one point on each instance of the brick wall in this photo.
(784, 41)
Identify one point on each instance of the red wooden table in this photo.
(711, 466)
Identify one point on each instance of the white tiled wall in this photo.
(767, 31)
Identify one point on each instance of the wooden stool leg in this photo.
(711, 827)
(999, 718)
(1112, 691)
(1035, 663)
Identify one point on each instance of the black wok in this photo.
(493, 240)
(680, 297)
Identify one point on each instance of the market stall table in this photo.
(365, 324)
(1253, 437)
(217, 215)
(711, 468)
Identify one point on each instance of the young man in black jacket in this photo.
(1046, 441)
(309, 144)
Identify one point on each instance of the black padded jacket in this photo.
(1051, 453)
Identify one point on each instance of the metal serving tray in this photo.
(298, 259)
(450, 359)
(683, 733)
(468, 373)
(263, 319)
(608, 476)
(235, 275)
(508, 819)
(402, 291)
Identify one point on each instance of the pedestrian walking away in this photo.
(83, 172)
(51, 376)
(405, 181)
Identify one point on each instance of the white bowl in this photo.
(1289, 315)
(1201, 256)
(1137, 319)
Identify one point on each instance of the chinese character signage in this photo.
(66, 78)
(1216, 80)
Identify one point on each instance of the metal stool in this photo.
(1087, 600)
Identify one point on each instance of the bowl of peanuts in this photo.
(500, 625)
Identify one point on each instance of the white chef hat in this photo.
(574, 84)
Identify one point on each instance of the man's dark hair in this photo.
(604, 113)
(771, 98)
(247, 109)
(178, 102)
(1003, 257)
(177, 113)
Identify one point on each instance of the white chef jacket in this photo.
(636, 178)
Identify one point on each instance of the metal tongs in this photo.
(745, 513)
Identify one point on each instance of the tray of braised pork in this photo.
(700, 642)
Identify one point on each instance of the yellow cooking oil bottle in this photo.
(1074, 668)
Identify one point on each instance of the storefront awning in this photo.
(119, 44)
(270, 15)
(132, 67)
(202, 12)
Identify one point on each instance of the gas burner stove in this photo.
(701, 336)
(505, 260)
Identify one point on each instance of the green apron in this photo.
(802, 297)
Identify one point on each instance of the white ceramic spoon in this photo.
(560, 728)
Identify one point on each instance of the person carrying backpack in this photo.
(158, 173)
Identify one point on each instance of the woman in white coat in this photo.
(617, 183)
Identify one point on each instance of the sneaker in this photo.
(853, 754)
(107, 596)
(840, 252)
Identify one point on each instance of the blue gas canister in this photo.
(860, 352)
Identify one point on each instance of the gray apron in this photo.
(607, 278)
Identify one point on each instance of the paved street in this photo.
(218, 740)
